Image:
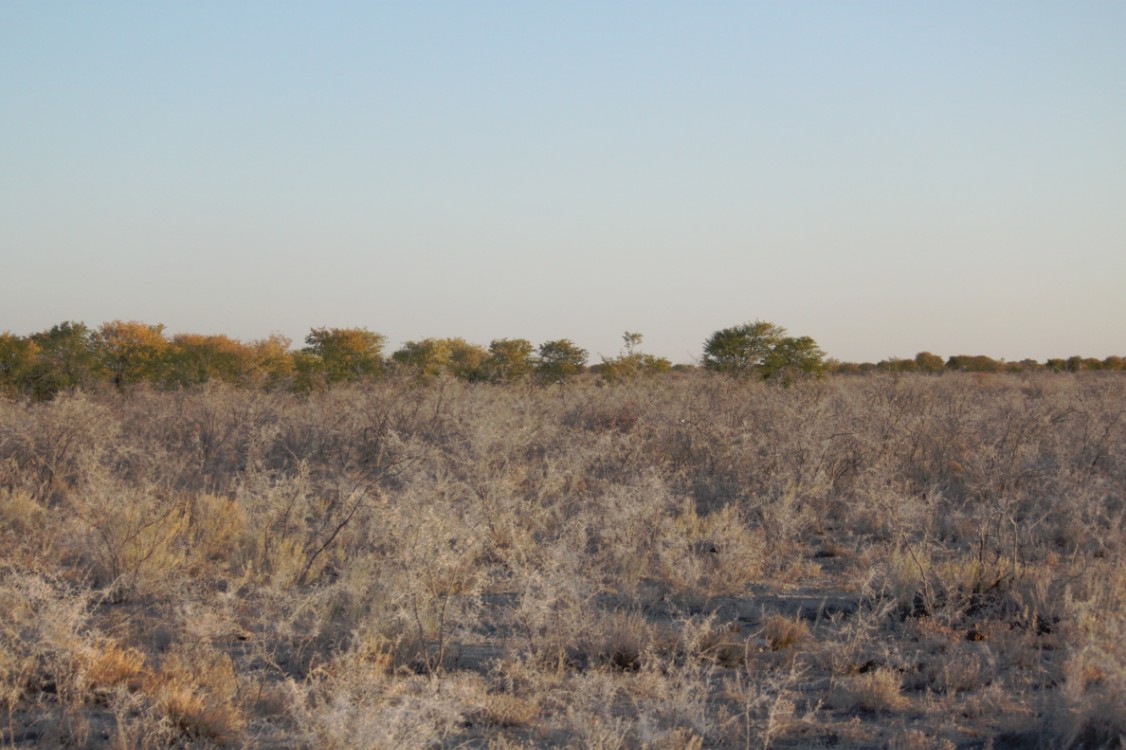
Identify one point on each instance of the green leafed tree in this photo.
(442, 356)
(427, 358)
(895, 364)
(466, 360)
(194, 359)
(559, 360)
(742, 350)
(509, 360)
(794, 358)
(338, 355)
(763, 350)
(68, 359)
(927, 362)
(631, 363)
(973, 363)
(17, 362)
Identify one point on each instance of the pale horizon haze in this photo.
(885, 177)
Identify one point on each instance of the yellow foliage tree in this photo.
(432, 357)
(17, 358)
(194, 359)
(273, 363)
(342, 354)
(131, 351)
(509, 360)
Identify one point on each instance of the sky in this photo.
(886, 177)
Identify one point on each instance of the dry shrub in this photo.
(376, 652)
(960, 667)
(41, 639)
(128, 535)
(877, 691)
(45, 448)
(916, 739)
(601, 733)
(493, 705)
(279, 509)
(27, 531)
(783, 632)
(218, 529)
(764, 706)
(197, 688)
(709, 555)
(618, 640)
(680, 738)
(137, 723)
(432, 577)
(724, 645)
(508, 710)
(104, 665)
(600, 416)
(348, 706)
(1093, 713)
(996, 701)
(673, 702)
(563, 544)
(700, 639)
(552, 610)
(906, 575)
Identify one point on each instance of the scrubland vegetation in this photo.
(120, 354)
(690, 561)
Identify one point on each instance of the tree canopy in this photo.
(131, 351)
(559, 360)
(434, 356)
(631, 363)
(71, 356)
(509, 360)
(762, 349)
(343, 354)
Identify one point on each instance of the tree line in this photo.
(926, 362)
(118, 354)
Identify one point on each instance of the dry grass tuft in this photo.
(877, 691)
(197, 688)
(105, 664)
(1093, 711)
(508, 710)
(784, 632)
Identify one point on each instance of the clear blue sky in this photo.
(884, 177)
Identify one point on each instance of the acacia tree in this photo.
(793, 358)
(973, 363)
(559, 360)
(631, 363)
(508, 360)
(742, 350)
(342, 354)
(131, 351)
(272, 363)
(194, 359)
(927, 362)
(433, 356)
(67, 359)
(466, 359)
(17, 360)
(763, 349)
(426, 357)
